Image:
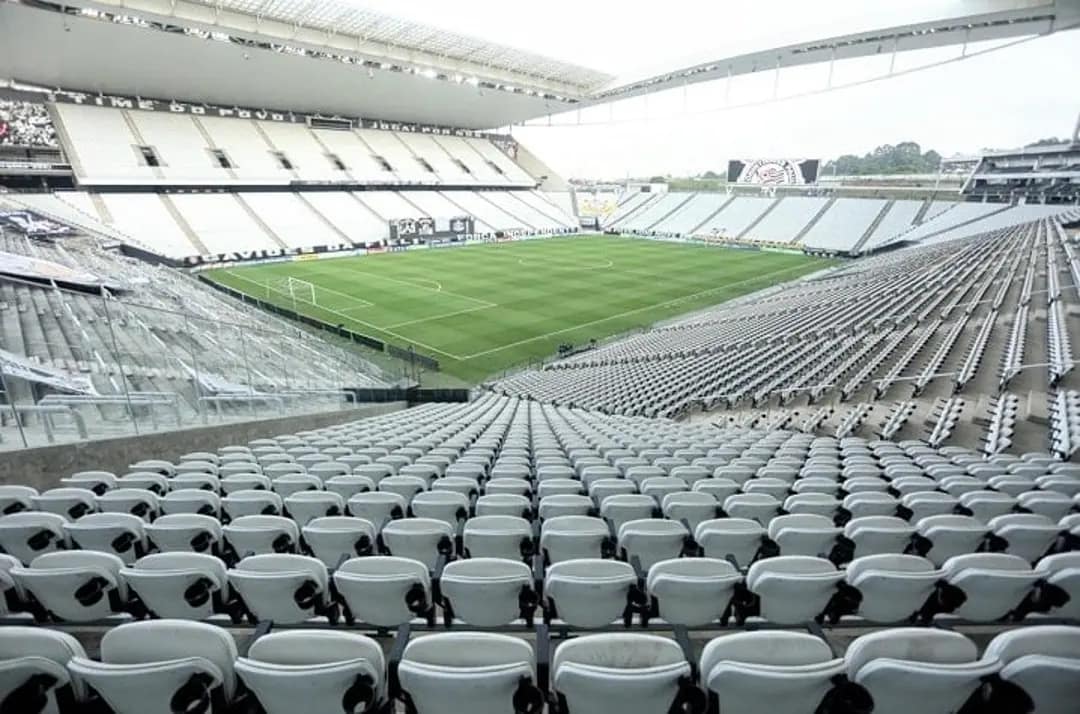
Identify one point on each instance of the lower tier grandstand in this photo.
(838, 225)
(970, 335)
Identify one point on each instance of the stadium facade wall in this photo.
(43, 467)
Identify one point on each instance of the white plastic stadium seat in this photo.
(187, 586)
(995, 584)
(893, 587)
(316, 671)
(1044, 661)
(939, 668)
(743, 539)
(284, 588)
(486, 592)
(185, 532)
(121, 534)
(589, 592)
(572, 537)
(498, 536)
(441, 674)
(76, 586)
(651, 540)
(160, 667)
(334, 539)
(384, 591)
(803, 534)
(691, 591)
(422, 539)
(257, 535)
(28, 534)
(33, 670)
(622, 672)
(769, 672)
(792, 589)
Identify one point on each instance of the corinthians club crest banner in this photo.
(773, 172)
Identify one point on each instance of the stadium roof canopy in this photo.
(386, 33)
(335, 57)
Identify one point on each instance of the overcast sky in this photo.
(1000, 99)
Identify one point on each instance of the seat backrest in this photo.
(462, 651)
(888, 563)
(1047, 640)
(789, 565)
(985, 561)
(284, 563)
(590, 569)
(774, 648)
(307, 647)
(19, 641)
(911, 644)
(272, 523)
(77, 559)
(200, 562)
(384, 567)
(487, 569)
(574, 524)
(882, 523)
(163, 640)
(799, 521)
(618, 651)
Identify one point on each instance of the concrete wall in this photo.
(43, 467)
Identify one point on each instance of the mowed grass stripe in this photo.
(484, 308)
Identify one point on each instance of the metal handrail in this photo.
(48, 410)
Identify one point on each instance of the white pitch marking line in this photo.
(403, 338)
(628, 312)
(559, 266)
(439, 317)
(437, 289)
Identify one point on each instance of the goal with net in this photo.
(298, 290)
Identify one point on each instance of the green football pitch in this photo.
(484, 308)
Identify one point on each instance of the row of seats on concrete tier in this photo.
(835, 334)
(180, 666)
(448, 523)
(912, 497)
(583, 591)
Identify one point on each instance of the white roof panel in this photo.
(343, 17)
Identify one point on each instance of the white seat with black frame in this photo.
(284, 587)
(27, 534)
(625, 672)
(257, 535)
(385, 591)
(940, 668)
(316, 671)
(187, 586)
(498, 536)
(1044, 662)
(161, 667)
(452, 672)
(691, 591)
(34, 678)
(423, 539)
(574, 537)
(591, 592)
(335, 539)
(741, 540)
(777, 672)
(71, 503)
(186, 532)
(487, 592)
(73, 586)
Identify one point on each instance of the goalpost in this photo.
(302, 290)
(298, 290)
